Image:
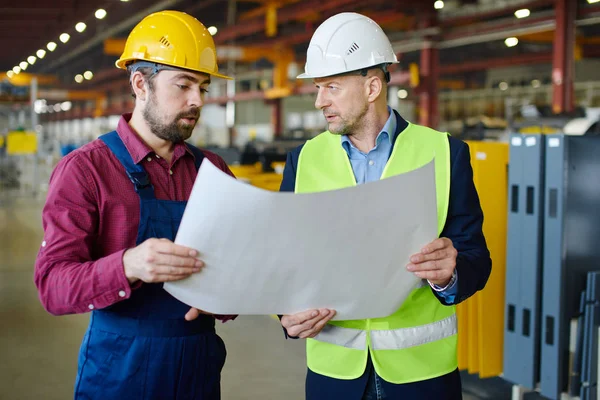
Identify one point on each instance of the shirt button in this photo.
(170, 172)
(122, 293)
(91, 306)
(149, 158)
(157, 156)
(371, 162)
(44, 243)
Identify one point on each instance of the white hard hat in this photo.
(346, 42)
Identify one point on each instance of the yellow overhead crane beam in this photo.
(280, 56)
(24, 79)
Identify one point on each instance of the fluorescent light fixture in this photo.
(64, 37)
(88, 75)
(438, 5)
(51, 46)
(212, 30)
(402, 94)
(592, 1)
(16, 70)
(78, 78)
(41, 53)
(100, 13)
(23, 65)
(80, 27)
(503, 86)
(522, 13)
(511, 42)
(10, 74)
(66, 105)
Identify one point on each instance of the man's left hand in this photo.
(436, 262)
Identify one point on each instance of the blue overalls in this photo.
(143, 348)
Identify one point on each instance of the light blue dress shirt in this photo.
(369, 167)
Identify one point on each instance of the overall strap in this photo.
(136, 173)
(198, 154)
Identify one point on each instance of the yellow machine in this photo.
(20, 143)
(254, 175)
(481, 318)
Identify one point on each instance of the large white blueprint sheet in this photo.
(282, 253)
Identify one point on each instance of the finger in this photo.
(168, 278)
(307, 326)
(165, 246)
(437, 244)
(435, 265)
(192, 314)
(299, 318)
(439, 275)
(178, 261)
(321, 324)
(436, 255)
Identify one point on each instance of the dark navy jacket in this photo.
(473, 266)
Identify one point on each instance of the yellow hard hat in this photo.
(172, 38)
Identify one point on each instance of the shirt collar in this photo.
(137, 148)
(387, 133)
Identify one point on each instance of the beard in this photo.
(176, 130)
(346, 126)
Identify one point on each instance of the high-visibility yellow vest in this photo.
(418, 341)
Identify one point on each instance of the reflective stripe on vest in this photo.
(391, 339)
(418, 341)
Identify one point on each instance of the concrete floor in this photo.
(38, 352)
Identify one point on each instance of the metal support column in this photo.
(276, 117)
(563, 58)
(428, 98)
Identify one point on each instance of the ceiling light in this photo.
(16, 70)
(124, 1)
(592, 1)
(23, 65)
(402, 94)
(100, 13)
(10, 74)
(522, 13)
(88, 75)
(57, 107)
(503, 85)
(212, 30)
(41, 53)
(31, 60)
(511, 41)
(536, 83)
(78, 78)
(438, 5)
(64, 37)
(80, 27)
(66, 105)
(51, 46)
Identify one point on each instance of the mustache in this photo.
(191, 113)
(328, 113)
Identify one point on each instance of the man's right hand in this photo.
(307, 324)
(160, 260)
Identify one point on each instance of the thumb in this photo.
(192, 314)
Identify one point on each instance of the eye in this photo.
(183, 87)
(203, 90)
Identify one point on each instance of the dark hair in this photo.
(147, 73)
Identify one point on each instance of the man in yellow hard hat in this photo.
(112, 212)
(410, 354)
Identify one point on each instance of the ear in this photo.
(138, 84)
(373, 88)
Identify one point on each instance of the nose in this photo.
(196, 98)
(321, 101)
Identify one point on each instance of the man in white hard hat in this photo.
(410, 354)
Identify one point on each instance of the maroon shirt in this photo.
(91, 217)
